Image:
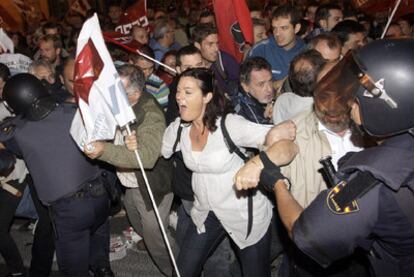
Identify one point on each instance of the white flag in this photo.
(5, 42)
(102, 100)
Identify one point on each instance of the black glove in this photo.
(270, 173)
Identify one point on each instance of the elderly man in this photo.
(302, 78)
(149, 129)
(321, 131)
(328, 45)
(371, 202)
(163, 39)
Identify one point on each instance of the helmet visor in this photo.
(341, 83)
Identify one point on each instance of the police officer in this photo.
(66, 181)
(372, 204)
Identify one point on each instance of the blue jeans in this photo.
(196, 248)
(222, 261)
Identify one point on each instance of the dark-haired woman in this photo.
(218, 208)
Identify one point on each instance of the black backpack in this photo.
(181, 181)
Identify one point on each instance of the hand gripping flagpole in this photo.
(398, 2)
(160, 223)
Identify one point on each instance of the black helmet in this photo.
(379, 75)
(26, 96)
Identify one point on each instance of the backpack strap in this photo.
(234, 149)
(229, 142)
(177, 140)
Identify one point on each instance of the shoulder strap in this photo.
(180, 128)
(233, 148)
(229, 142)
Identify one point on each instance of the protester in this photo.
(149, 129)
(217, 208)
(152, 29)
(283, 46)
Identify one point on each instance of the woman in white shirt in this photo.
(218, 209)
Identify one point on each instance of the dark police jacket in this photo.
(57, 165)
(378, 218)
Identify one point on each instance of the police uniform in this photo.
(66, 181)
(14, 184)
(346, 216)
(372, 204)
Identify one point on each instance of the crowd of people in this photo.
(207, 132)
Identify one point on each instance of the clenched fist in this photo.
(284, 130)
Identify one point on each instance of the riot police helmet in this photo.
(25, 95)
(379, 77)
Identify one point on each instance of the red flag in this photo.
(123, 41)
(384, 7)
(135, 15)
(235, 27)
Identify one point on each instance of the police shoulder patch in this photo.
(7, 128)
(336, 203)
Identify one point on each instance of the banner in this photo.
(103, 104)
(235, 27)
(134, 15)
(124, 41)
(6, 44)
(384, 7)
(17, 63)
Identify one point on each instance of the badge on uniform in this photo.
(6, 131)
(335, 200)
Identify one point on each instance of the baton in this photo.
(329, 170)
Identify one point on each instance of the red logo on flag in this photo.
(88, 67)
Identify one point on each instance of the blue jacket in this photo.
(277, 56)
(159, 50)
(248, 107)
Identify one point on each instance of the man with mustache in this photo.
(321, 131)
(370, 204)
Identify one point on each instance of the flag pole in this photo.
(398, 2)
(131, 49)
(155, 61)
(160, 223)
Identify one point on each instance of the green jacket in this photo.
(149, 127)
